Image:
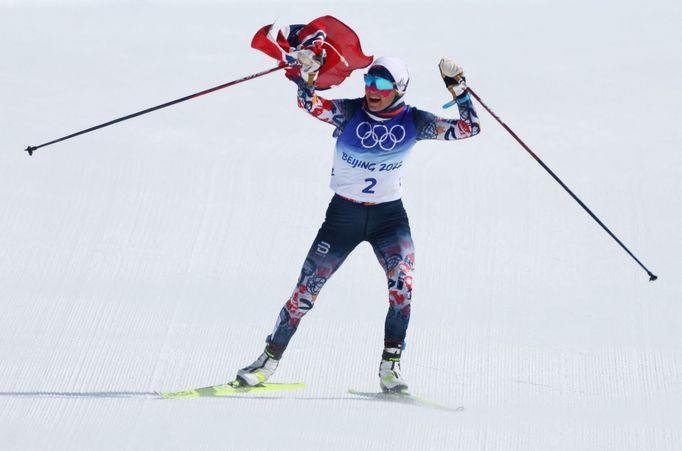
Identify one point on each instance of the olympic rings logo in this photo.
(387, 138)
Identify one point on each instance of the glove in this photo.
(310, 62)
(453, 76)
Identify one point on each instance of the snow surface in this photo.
(155, 254)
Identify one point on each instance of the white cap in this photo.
(398, 70)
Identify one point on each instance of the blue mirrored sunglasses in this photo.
(381, 83)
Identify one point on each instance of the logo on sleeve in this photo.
(464, 129)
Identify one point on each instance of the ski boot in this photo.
(390, 379)
(259, 371)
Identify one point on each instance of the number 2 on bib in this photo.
(371, 184)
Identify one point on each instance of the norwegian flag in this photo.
(339, 41)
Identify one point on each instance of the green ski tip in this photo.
(229, 389)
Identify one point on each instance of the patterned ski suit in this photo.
(371, 152)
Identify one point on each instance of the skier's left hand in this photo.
(453, 76)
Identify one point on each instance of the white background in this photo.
(155, 254)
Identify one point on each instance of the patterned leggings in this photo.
(385, 226)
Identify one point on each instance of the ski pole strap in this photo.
(452, 102)
(463, 99)
(459, 100)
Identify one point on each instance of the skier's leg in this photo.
(340, 233)
(325, 256)
(395, 252)
(394, 249)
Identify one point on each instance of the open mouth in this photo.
(374, 99)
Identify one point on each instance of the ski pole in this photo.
(31, 149)
(652, 276)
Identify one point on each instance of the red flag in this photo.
(342, 46)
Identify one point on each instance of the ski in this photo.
(229, 389)
(404, 398)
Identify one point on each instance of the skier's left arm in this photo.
(430, 126)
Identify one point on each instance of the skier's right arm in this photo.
(336, 112)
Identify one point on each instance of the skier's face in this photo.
(378, 99)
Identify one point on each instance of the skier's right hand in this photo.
(310, 62)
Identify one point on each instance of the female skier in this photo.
(374, 136)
